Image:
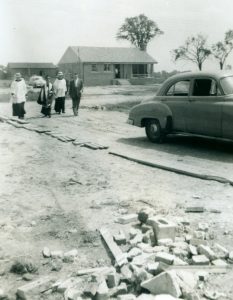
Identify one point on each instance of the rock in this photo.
(3, 295)
(46, 252)
(56, 254)
(66, 284)
(33, 223)
(203, 227)
(126, 219)
(26, 292)
(165, 242)
(157, 249)
(153, 268)
(126, 274)
(165, 258)
(202, 275)
(27, 277)
(119, 290)
(179, 262)
(134, 252)
(102, 291)
(145, 247)
(180, 252)
(179, 239)
(182, 245)
(195, 209)
(143, 259)
(192, 250)
(188, 238)
(126, 297)
(165, 297)
(73, 294)
(120, 238)
(231, 255)
(56, 265)
(136, 240)
(187, 282)
(219, 263)
(144, 214)
(212, 295)
(70, 255)
(166, 282)
(113, 279)
(197, 242)
(199, 235)
(205, 250)
(221, 251)
(200, 260)
(145, 297)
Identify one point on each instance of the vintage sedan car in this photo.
(36, 81)
(198, 103)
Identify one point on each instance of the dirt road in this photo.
(58, 195)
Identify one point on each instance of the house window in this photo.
(107, 68)
(140, 70)
(94, 68)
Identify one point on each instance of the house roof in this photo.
(17, 65)
(106, 55)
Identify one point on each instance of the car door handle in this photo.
(192, 100)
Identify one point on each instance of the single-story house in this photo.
(28, 69)
(107, 65)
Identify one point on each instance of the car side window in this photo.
(205, 87)
(180, 88)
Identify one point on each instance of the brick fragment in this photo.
(34, 288)
(166, 282)
(205, 250)
(120, 238)
(200, 260)
(163, 229)
(165, 258)
(126, 219)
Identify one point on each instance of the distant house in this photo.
(107, 65)
(29, 69)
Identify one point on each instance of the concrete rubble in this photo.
(172, 263)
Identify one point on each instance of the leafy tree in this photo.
(139, 31)
(194, 50)
(221, 50)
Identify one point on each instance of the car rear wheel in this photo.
(154, 131)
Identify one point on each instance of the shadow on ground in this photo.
(196, 147)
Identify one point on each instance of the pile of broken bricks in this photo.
(18, 123)
(156, 259)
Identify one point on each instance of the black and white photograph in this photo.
(116, 150)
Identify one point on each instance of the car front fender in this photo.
(153, 110)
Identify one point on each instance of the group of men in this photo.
(58, 90)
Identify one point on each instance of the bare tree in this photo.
(221, 50)
(139, 31)
(194, 50)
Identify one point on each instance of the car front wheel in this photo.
(154, 131)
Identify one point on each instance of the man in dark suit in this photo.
(75, 91)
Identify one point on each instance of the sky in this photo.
(41, 30)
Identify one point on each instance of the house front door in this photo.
(117, 71)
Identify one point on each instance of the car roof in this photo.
(216, 74)
(190, 74)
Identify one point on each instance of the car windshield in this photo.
(227, 85)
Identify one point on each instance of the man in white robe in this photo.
(60, 89)
(18, 96)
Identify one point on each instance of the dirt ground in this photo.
(58, 195)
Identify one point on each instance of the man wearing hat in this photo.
(60, 90)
